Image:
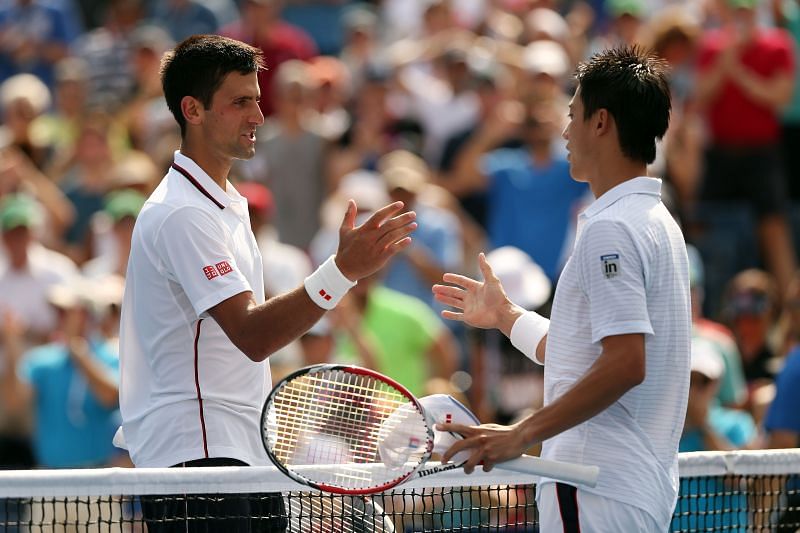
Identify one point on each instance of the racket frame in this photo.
(357, 370)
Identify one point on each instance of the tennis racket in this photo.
(350, 430)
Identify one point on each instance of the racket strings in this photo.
(342, 421)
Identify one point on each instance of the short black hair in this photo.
(632, 85)
(197, 66)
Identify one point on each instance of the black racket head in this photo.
(345, 429)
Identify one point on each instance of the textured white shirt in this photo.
(628, 274)
(186, 391)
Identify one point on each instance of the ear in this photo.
(602, 122)
(192, 110)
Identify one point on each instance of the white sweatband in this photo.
(527, 332)
(326, 286)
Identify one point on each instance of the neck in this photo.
(614, 170)
(216, 167)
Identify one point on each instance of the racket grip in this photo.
(568, 472)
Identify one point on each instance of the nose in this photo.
(565, 134)
(258, 118)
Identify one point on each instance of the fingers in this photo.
(462, 281)
(486, 269)
(395, 234)
(383, 214)
(452, 315)
(349, 221)
(449, 292)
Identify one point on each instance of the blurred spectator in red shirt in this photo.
(745, 79)
(260, 25)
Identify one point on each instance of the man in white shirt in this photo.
(616, 349)
(196, 328)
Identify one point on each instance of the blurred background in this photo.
(455, 107)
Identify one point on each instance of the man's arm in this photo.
(259, 330)
(620, 367)
(775, 92)
(467, 176)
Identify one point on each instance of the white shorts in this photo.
(565, 509)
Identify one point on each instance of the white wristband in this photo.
(527, 332)
(326, 286)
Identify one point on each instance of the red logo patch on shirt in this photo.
(210, 272)
(224, 268)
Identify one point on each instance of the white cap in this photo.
(523, 280)
(444, 409)
(546, 57)
(706, 359)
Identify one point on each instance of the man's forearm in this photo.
(607, 381)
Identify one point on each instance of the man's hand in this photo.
(364, 249)
(479, 304)
(489, 444)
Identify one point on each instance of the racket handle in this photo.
(569, 472)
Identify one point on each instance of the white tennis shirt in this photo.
(186, 391)
(628, 274)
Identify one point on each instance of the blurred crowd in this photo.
(455, 107)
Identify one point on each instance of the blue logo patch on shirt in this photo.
(611, 265)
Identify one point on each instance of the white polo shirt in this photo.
(628, 274)
(186, 391)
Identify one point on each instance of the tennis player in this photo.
(195, 328)
(616, 349)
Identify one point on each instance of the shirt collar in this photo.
(198, 178)
(640, 185)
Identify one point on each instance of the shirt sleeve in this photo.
(197, 253)
(783, 413)
(612, 275)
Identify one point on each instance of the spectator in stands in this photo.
(745, 79)
(360, 25)
(182, 18)
(782, 423)
(147, 119)
(58, 128)
(23, 98)
(260, 25)
(85, 182)
(107, 50)
(120, 211)
(437, 246)
(333, 87)
(19, 175)
(750, 307)
(34, 36)
(395, 334)
(504, 385)
(492, 87)
(532, 200)
(30, 269)
(732, 390)
(709, 426)
(285, 266)
(375, 128)
(290, 156)
(71, 382)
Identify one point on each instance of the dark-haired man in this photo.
(617, 346)
(196, 329)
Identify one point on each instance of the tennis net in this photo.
(736, 491)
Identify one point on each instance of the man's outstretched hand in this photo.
(365, 249)
(481, 304)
